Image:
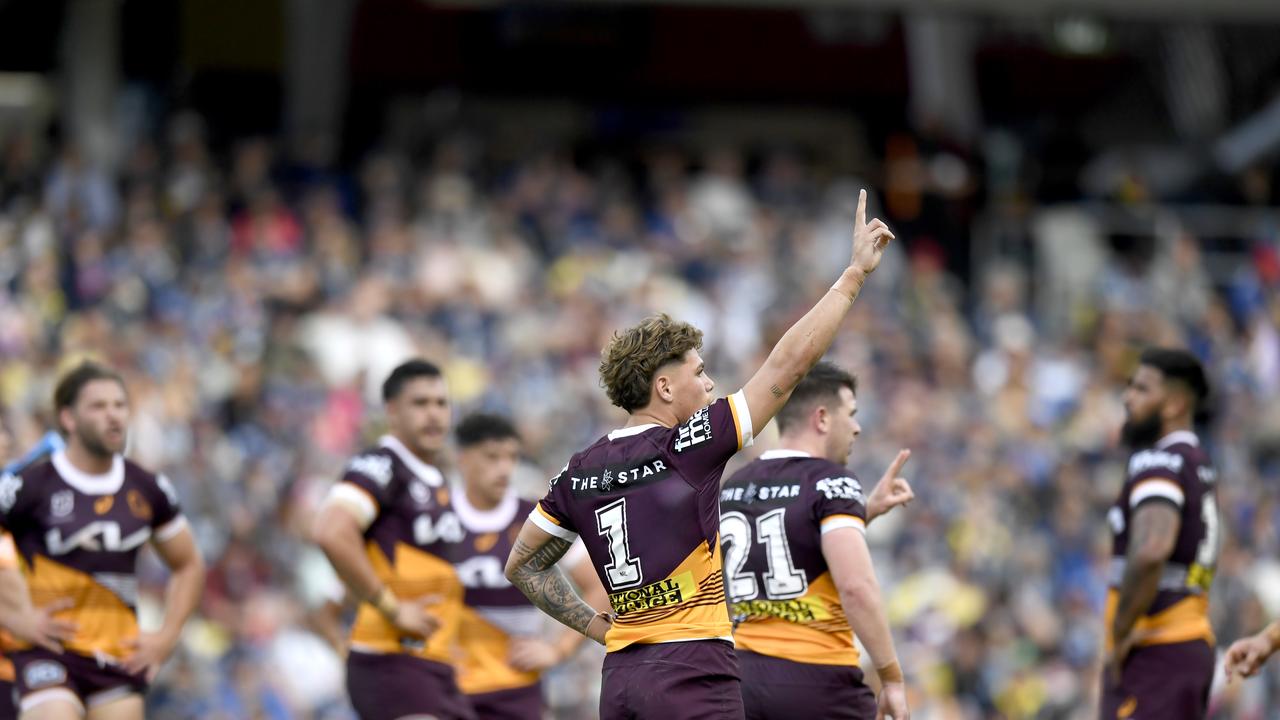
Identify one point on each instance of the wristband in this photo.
(385, 602)
(891, 673)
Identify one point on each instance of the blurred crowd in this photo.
(255, 302)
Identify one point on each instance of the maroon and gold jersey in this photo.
(1176, 471)
(646, 502)
(409, 522)
(773, 513)
(494, 611)
(8, 561)
(78, 537)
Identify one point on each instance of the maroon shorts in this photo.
(385, 687)
(695, 680)
(522, 703)
(777, 689)
(1170, 682)
(8, 701)
(91, 681)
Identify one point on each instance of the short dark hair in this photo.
(633, 357)
(1184, 368)
(404, 372)
(482, 427)
(822, 383)
(67, 391)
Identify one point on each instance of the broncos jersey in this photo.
(410, 523)
(645, 500)
(494, 610)
(1176, 471)
(773, 513)
(78, 537)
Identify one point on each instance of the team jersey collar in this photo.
(1178, 436)
(783, 453)
(629, 431)
(426, 473)
(485, 521)
(104, 484)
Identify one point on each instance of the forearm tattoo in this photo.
(538, 577)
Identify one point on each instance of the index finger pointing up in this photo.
(861, 217)
(898, 462)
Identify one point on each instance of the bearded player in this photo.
(801, 583)
(387, 527)
(78, 521)
(500, 639)
(1166, 529)
(645, 499)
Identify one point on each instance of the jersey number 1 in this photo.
(611, 523)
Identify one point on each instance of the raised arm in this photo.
(807, 341)
(532, 568)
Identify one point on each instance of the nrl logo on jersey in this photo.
(842, 488)
(62, 503)
(696, 431)
(375, 467)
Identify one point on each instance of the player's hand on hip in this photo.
(532, 655)
(869, 239)
(892, 490)
(892, 702)
(150, 650)
(414, 617)
(42, 628)
(1246, 656)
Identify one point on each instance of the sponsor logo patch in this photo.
(695, 432)
(44, 673)
(594, 481)
(375, 467)
(672, 591)
(10, 484)
(843, 488)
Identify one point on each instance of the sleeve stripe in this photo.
(357, 499)
(1156, 488)
(170, 530)
(548, 524)
(836, 522)
(741, 418)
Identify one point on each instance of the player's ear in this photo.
(662, 387)
(65, 420)
(821, 419)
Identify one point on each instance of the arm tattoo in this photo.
(1156, 527)
(546, 586)
(777, 391)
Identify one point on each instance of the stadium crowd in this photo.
(255, 303)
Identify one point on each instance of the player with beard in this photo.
(387, 528)
(1166, 529)
(502, 653)
(645, 499)
(799, 569)
(79, 521)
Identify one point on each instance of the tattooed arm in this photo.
(532, 568)
(1151, 541)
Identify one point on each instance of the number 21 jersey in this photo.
(646, 502)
